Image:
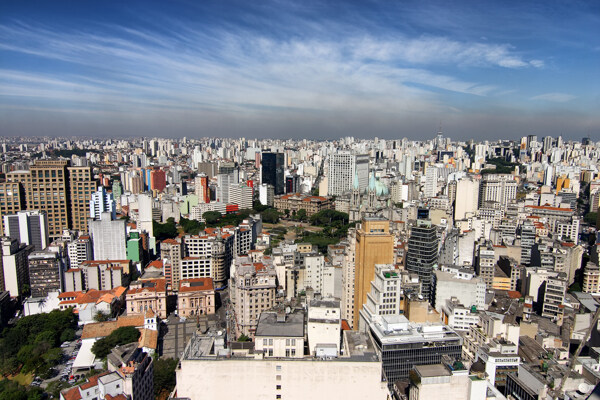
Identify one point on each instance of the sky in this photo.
(300, 69)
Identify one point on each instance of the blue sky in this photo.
(306, 69)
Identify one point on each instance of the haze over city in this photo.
(300, 69)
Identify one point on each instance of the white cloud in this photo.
(554, 97)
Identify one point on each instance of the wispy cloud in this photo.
(240, 71)
(555, 97)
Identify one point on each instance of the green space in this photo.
(164, 377)
(123, 335)
(33, 344)
(502, 166)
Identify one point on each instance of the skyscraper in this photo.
(12, 199)
(81, 187)
(28, 227)
(422, 253)
(344, 169)
(374, 245)
(102, 202)
(109, 238)
(15, 266)
(201, 183)
(272, 171)
(46, 189)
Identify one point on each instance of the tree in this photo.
(101, 316)
(168, 230)
(590, 218)
(301, 215)
(243, 338)
(287, 213)
(123, 335)
(211, 217)
(270, 216)
(164, 375)
(191, 226)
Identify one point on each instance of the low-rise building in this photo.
(296, 202)
(147, 295)
(196, 297)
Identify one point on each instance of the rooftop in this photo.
(270, 325)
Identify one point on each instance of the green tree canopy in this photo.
(122, 335)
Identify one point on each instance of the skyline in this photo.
(283, 70)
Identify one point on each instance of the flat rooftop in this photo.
(433, 370)
(293, 326)
(396, 329)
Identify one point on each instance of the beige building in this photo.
(170, 252)
(45, 186)
(280, 334)
(456, 383)
(81, 187)
(253, 286)
(12, 200)
(196, 297)
(297, 201)
(374, 245)
(147, 295)
(591, 278)
(208, 370)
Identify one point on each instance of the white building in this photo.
(28, 227)
(467, 197)
(344, 167)
(210, 371)
(109, 238)
(467, 289)
(79, 250)
(266, 194)
(324, 326)
(102, 202)
(15, 266)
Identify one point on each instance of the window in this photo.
(278, 367)
(278, 387)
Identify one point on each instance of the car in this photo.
(65, 345)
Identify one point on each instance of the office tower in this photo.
(402, 345)
(15, 266)
(81, 187)
(554, 297)
(499, 188)
(431, 181)
(467, 196)
(344, 169)
(266, 195)
(374, 245)
(272, 171)
(207, 168)
(28, 227)
(102, 202)
(44, 273)
(145, 220)
(117, 191)
(528, 235)
(201, 183)
(12, 200)
(46, 189)
(422, 253)
(242, 195)
(223, 183)
(108, 238)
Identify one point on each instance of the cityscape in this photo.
(299, 200)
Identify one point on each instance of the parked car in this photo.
(65, 345)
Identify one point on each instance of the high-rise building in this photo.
(102, 202)
(422, 253)
(81, 187)
(79, 250)
(374, 245)
(15, 266)
(28, 227)
(109, 238)
(498, 188)
(46, 189)
(201, 183)
(171, 252)
(467, 196)
(12, 199)
(253, 287)
(272, 171)
(346, 168)
(44, 273)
